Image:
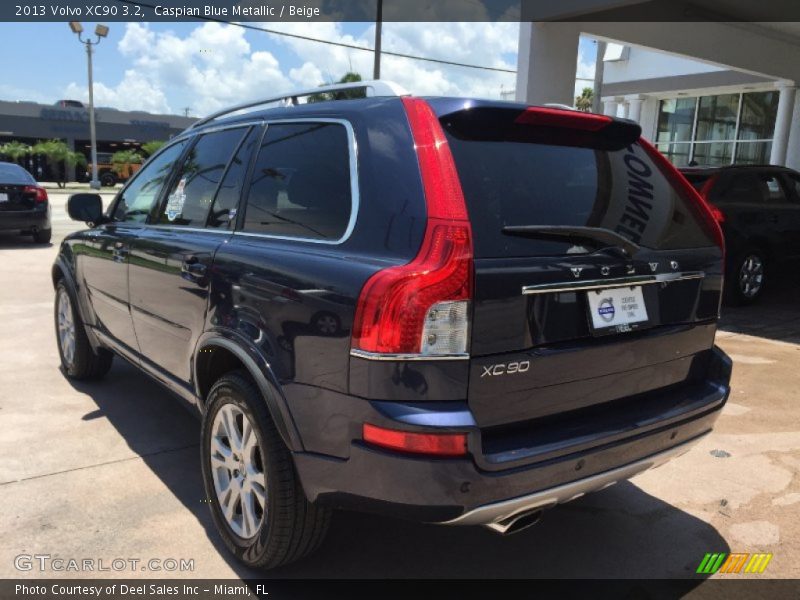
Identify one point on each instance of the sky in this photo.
(172, 67)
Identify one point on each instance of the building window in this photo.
(718, 130)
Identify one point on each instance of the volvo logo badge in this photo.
(605, 270)
(576, 271)
(674, 264)
(653, 267)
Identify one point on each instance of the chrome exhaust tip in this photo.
(516, 523)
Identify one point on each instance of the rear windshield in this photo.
(520, 183)
(15, 175)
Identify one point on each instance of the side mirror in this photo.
(85, 207)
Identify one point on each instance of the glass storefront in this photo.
(718, 130)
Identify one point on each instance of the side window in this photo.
(743, 188)
(793, 185)
(774, 191)
(193, 190)
(138, 199)
(301, 182)
(223, 211)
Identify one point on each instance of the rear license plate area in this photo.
(616, 310)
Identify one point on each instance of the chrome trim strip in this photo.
(499, 516)
(180, 228)
(384, 357)
(605, 284)
(355, 198)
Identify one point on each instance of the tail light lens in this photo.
(423, 307)
(702, 208)
(39, 193)
(434, 444)
(718, 215)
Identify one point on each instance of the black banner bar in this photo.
(282, 589)
(399, 10)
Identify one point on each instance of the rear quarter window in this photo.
(517, 183)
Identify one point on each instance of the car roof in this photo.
(701, 170)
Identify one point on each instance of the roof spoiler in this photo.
(543, 125)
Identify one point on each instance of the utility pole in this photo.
(100, 31)
(376, 71)
(186, 111)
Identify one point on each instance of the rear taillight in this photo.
(718, 215)
(433, 444)
(423, 307)
(703, 209)
(38, 192)
(544, 116)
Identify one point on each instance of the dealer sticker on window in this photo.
(617, 309)
(176, 201)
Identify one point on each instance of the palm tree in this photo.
(122, 160)
(150, 148)
(56, 151)
(584, 101)
(349, 77)
(15, 150)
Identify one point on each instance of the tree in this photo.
(349, 77)
(121, 162)
(15, 150)
(150, 148)
(56, 151)
(584, 101)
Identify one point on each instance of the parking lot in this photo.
(110, 470)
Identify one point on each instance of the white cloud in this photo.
(215, 64)
(134, 92)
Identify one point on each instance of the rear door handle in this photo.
(193, 268)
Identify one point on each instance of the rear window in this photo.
(520, 183)
(15, 175)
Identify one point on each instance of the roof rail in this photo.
(373, 88)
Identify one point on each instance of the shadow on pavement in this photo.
(775, 316)
(620, 532)
(17, 241)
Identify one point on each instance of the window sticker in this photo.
(176, 201)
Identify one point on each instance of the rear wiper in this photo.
(577, 234)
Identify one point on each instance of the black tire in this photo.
(84, 364)
(290, 526)
(42, 236)
(746, 277)
(108, 179)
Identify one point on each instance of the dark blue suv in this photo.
(447, 310)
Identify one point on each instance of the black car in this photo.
(447, 310)
(24, 205)
(758, 208)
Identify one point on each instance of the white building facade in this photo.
(710, 93)
(697, 113)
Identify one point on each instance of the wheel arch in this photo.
(218, 353)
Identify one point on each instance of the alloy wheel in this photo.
(237, 468)
(751, 276)
(66, 327)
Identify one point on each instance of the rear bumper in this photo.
(498, 515)
(24, 220)
(459, 491)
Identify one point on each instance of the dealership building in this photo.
(708, 93)
(30, 122)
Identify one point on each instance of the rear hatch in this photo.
(597, 273)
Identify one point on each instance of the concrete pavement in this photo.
(110, 470)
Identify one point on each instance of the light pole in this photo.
(100, 31)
